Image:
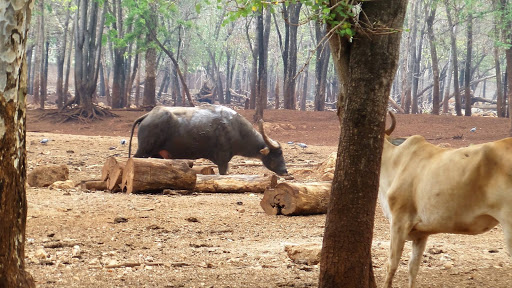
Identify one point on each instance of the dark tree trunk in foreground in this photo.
(13, 202)
(366, 67)
(149, 99)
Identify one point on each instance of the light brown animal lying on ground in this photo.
(425, 189)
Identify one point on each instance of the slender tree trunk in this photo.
(415, 59)
(448, 80)
(433, 55)
(263, 38)
(13, 162)
(366, 67)
(453, 40)
(61, 56)
(304, 90)
(290, 100)
(68, 64)
(322, 64)
(44, 77)
(467, 74)
(39, 53)
(137, 85)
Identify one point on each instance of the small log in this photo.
(97, 185)
(204, 170)
(234, 183)
(297, 199)
(151, 174)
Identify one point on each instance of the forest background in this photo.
(153, 52)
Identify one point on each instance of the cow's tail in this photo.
(135, 123)
(393, 124)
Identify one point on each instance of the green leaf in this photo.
(198, 8)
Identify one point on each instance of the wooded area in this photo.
(168, 53)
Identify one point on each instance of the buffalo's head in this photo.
(272, 154)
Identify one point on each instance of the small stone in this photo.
(120, 220)
(192, 219)
(41, 254)
(76, 251)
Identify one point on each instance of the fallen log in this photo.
(151, 174)
(234, 183)
(97, 185)
(297, 198)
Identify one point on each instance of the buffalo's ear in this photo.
(265, 151)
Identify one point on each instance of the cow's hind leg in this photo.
(418, 246)
(399, 232)
(507, 230)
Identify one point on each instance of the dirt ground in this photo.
(222, 240)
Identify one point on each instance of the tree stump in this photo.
(151, 174)
(297, 199)
(234, 183)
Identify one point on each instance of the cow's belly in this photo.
(456, 224)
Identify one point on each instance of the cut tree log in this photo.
(97, 185)
(151, 174)
(297, 198)
(112, 173)
(234, 183)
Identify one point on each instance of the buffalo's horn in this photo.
(271, 143)
(393, 124)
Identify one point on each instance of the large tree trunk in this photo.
(366, 67)
(89, 24)
(119, 77)
(13, 202)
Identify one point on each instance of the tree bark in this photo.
(149, 99)
(297, 198)
(263, 29)
(15, 18)
(366, 67)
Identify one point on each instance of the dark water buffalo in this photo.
(213, 132)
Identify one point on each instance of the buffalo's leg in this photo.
(418, 246)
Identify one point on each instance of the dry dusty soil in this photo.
(75, 238)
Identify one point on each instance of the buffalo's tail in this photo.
(135, 123)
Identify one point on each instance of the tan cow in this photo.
(425, 189)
